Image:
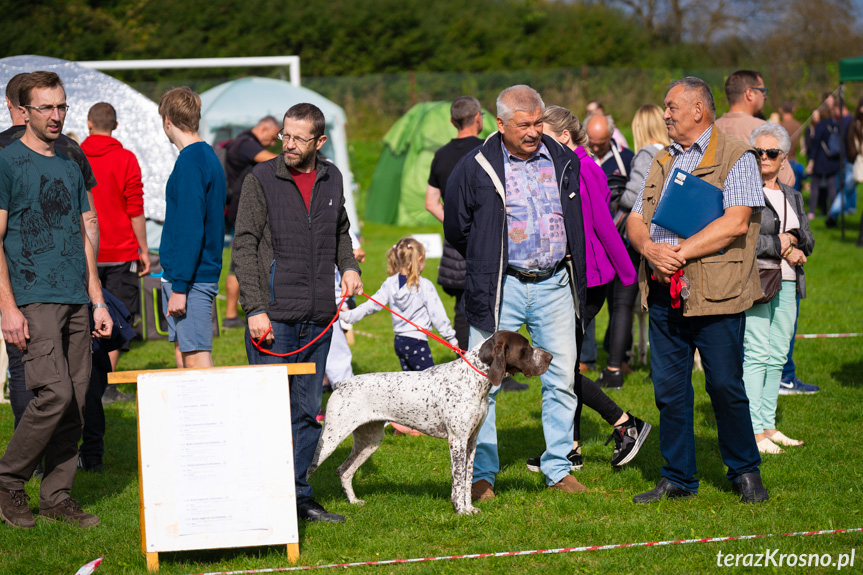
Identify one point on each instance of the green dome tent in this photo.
(398, 189)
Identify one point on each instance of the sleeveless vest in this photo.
(302, 272)
(720, 283)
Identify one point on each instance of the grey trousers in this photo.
(57, 369)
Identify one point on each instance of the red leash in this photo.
(257, 344)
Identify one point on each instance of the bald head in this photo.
(267, 130)
(599, 130)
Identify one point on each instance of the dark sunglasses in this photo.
(772, 153)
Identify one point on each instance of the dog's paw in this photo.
(356, 501)
(471, 510)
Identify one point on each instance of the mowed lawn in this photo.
(407, 483)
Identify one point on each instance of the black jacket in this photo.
(475, 224)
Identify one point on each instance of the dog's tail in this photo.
(316, 460)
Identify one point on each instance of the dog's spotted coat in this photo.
(448, 401)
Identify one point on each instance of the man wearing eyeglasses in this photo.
(19, 395)
(696, 290)
(292, 231)
(47, 278)
(746, 95)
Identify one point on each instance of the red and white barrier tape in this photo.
(821, 335)
(537, 552)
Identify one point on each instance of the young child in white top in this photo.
(413, 297)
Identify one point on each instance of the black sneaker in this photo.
(113, 395)
(628, 438)
(610, 379)
(510, 384)
(233, 322)
(575, 461)
(91, 464)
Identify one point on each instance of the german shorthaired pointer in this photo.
(448, 401)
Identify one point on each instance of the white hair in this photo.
(775, 130)
(519, 98)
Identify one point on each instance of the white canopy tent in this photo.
(140, 127)
(232, 107)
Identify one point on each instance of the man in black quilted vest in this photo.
(291, 228)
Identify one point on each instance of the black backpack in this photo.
(617, 186)
(221, 149)
(832, 146)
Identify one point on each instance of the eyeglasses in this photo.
(762, 90)
(47, 110)
(772, 153)
(287, 138)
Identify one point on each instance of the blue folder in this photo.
(688, 204)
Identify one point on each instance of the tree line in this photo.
(346, 37)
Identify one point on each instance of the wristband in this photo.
(98, 305)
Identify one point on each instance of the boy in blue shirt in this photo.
(193, 235)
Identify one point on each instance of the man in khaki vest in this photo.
(696, 290)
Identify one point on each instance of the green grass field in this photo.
(407, 483)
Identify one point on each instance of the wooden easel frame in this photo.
(293, 549)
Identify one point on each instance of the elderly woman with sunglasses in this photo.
(785, 239)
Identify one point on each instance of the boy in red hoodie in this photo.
(119, 198)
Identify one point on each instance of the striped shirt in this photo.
(743, 186)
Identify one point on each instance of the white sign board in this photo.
(432, 244)
(217, 466)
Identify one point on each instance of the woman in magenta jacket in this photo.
(606, 257)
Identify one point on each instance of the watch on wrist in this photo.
(98, 305)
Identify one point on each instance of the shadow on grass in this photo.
(121, 458)
(711, 469)
(849, 374)
(277, 554)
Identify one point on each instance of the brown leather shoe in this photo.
(69, 511)
(14, 509)
(481, 491)
(569, 484)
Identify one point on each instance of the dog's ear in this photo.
(493, 353)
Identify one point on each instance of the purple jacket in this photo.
(605, 251)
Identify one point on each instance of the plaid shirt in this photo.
(743, 186)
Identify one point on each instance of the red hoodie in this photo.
(119, 197)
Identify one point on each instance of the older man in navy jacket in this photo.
(512, 208)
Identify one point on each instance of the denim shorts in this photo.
(193, 331)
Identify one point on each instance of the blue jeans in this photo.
(547, 310)
(719, 338)
(306, 390)
(587, 354)
(847, 192)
